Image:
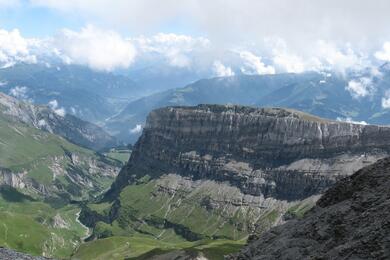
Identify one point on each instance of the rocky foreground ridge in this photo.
(350, 221)
(240, 170)
(8, 254)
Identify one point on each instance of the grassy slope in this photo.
(27, 225)
(139, 231)
(142, 247)
(138, 203)
(26, 149)
(120, 155)
(21, 146)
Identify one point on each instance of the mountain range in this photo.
(120, 102)
(201, 181)
(323, 94)
(82, 92)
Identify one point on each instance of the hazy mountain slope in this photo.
(350, 221)
(321, 94)
(85, 93)
(244, 90)
(224, 172)
(70, 127)
(156, 77)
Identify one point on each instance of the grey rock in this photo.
(8, 254)
(279, 153)
(350, 221)
(243, 159)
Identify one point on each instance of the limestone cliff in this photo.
(273, 152)
(239, 169)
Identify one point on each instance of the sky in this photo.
(224, 36)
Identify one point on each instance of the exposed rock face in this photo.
(273, 152)
(350, 221)
(83, 174)
(8, 254)
(240, 169)
(70, 127)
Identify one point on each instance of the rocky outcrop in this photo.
(8, 254)
(70, 127)
(279, 153)
(350, 221)
(240, 169)
(71, 176)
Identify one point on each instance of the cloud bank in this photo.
(14, 48)
(221, 70)
(99, 49)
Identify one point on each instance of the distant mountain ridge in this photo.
(88, 94)
(322, 94)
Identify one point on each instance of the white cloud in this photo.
(350, 120)
(221, 70)
(360, 88)
(14, 48)
(384, 54)
(386, 100)
(176, 49)
(289, 62)
(254, 65)
(19, 92)
(340, 60)
(99, 49)
(137, 129)
(319, 56)
(53, 104)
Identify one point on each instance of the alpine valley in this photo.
(201, 181)
(194, 130)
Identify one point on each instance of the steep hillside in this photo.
(224, 172)
(42, 163)
(321, 94)
(41, 117)
(41, 176)
(350, 221)
(37, 227)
